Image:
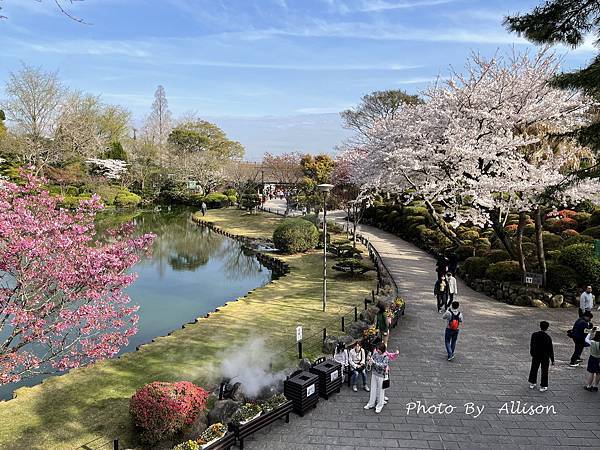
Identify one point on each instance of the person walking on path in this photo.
(440, 290)
(358, 361)
(379, 365)
(441, 267)
(542, 353)
(203, 208)
(577, 333)
(593, 366)
(381, 323)
(586, 301)
(452, 290)
(453, 318)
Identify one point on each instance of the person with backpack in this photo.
(577, 333)
(381, 323)
(358, 361)
(542, 352)
(440, 290)
(453, 318)
(379, 366)
(593, 366)
(452, 289)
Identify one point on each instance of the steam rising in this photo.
(250, 366)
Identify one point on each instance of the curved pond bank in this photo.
(192, 271)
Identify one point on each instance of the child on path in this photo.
(453, 318)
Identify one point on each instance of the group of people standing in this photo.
(445, 288)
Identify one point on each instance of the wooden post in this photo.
(355, 313)
(366, 300)
(342, 323)
(324, 334)
(116, 444)
(299, 349)
(372, 296)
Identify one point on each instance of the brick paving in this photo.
(490, 369)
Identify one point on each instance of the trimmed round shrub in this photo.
(511, 229)
(594, 232)
(72, 191)
(504, 271)
(161, 409)
(582, 219)
(529, 248)
(579, 239)
(476, 266)
(529, 229)
(551, 241)
(495, 256)
(582, 259)
(216, 200)
(560, 277)
(415, 220)
(567, 213)
(568, 223)
(126, 199)
(415, 211)
(594, 220)
(464, 251)
(295, 235)
(569, 233)
(553, 254)
(482, 242)
(470, 235)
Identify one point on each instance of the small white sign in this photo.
(298, 333)
(529, 280)
(310, 390)
(334, 375)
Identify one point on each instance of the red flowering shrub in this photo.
(567, 213)
(511, 228)
(162, 409)
(568, 223)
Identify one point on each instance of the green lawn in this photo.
(92, 403)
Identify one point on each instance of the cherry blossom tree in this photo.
(62, 303)
(110, 168)
(477, 146)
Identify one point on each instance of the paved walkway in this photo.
(490, 369)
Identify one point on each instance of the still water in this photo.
(192, 271)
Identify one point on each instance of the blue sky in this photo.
(272, 73)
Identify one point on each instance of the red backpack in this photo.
(454, 321)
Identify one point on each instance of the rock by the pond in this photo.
(537, 303)
(193, 431)
(222, 411)
(556, 301)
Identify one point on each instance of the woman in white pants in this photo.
(379, 364)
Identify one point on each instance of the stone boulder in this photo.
(556, 301)
(329, 344)
(566, 305)
(355, 329)
(193, 431)
(237, 393)
(499, 294)
(304, 364)
(537, 303)
(346, 339)
(368, 315)
(524, 300)
(222, 411)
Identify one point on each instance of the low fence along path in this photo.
(480, 399)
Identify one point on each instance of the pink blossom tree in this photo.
(62, 303)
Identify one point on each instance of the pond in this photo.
(192, 271)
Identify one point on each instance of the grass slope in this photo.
(92, 402)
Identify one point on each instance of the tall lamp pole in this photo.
(324, 188)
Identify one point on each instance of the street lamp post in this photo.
(324, 188)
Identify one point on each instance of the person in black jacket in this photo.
(542, 352)
(578, 334)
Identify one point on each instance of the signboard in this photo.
(298, 333)
(533, 278)
(597, 244)
(191, 184)
(334, 375)
(310, 390)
